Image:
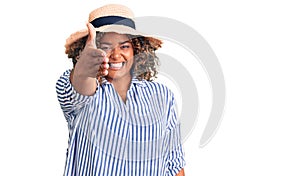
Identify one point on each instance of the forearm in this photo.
(180, 173)
(83, 85)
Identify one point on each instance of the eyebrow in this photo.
(120, 43)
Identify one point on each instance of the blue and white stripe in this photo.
(109, 137)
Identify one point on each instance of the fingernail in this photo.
(105, 72)
(106, 59)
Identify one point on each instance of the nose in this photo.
(115, 53)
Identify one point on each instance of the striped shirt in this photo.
(140, 137)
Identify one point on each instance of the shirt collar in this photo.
(134, 80)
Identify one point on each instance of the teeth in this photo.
(116, 65)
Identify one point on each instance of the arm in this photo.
(83, 85)
(176, 153)
(70, 101)
(180, 173)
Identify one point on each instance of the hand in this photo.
(92, 61)
(180, 173)
(91, 64)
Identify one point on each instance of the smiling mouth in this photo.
(116, 65)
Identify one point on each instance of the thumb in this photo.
(91, 40)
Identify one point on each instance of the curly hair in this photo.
(146, 62)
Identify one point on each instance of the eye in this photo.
(105, 47)
(125, 46)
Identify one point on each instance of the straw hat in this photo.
(109, 18)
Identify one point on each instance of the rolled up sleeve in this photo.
(71, 102)
(175, 157)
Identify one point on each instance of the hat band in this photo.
(107, 20)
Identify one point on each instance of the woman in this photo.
(120, 121)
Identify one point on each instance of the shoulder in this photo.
(159, 89)
(65, 76)
(154, 86)
(158, 86)
(63, 80)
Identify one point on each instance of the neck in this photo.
(121, 85)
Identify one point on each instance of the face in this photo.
(119, 51)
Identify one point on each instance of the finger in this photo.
(102, 73)
(105, 72)
(95, 52)
(105, 60)
(91, 40)
(100, 61)
(104, 66)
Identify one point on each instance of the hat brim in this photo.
(120, 29)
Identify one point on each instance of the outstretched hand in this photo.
(91, 64)
(92, 61)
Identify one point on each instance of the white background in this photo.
(257, 43)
